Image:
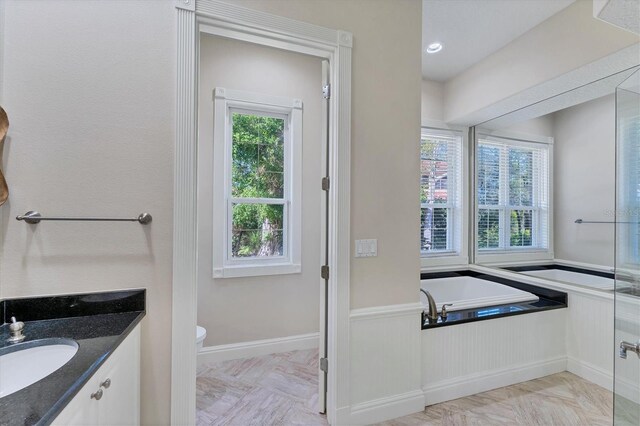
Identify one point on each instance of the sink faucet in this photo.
(15, 328)
(432, 315)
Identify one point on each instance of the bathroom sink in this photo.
(23, 364)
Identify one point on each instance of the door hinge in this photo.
(324, 365)
(325, 184)
(324, 272)
(326, 91)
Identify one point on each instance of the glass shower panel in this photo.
(627, 257)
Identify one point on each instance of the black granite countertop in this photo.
(97, 322)
(548, 299)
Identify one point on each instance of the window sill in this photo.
(256, 270)
(449, 259)
(496, 256)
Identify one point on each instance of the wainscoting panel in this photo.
(385, 363)
(590, 343)
(465, 359)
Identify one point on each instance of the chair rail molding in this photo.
(195, 17)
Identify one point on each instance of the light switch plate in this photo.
(366, 248)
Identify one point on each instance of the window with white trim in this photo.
(512, 192)
(257, 178)
(440, 192)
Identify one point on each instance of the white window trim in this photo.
(516, 254)
(436, 260)
(226, 102)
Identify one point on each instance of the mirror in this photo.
(544, 184)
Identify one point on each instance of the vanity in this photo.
(95, 341)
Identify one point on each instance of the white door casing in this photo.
(227, 20)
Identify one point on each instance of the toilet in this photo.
(201, 333)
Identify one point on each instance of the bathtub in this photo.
(465, 292)
(583, 279)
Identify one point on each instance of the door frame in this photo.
(223, 19)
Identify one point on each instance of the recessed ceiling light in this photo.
(434, 47)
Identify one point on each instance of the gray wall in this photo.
(584, 180)
(236, 310)
(385, 129)
(89, 89)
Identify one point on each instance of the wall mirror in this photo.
(544, 187)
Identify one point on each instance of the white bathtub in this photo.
(586, 280)
(470, 292)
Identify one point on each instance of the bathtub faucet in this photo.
(432, 315)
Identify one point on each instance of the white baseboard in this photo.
(387, 408)
(590, 372)
(472, 384)
(212, 354)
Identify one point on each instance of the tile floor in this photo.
(278, 389)
(282, 389)
(556, 400)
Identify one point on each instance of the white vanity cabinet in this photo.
(112, 395)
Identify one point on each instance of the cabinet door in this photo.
(120, 401)
(82, 410)
(120, 404)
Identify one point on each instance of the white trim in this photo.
(226, 103)
(459, 256)
(514, 255)
(386, 311)
(500, 135)
(506, 253)
(243, 97)
(387, 408)
(212, 354)
(471, 384)
(185, 239)
(430, 262)
(445, 268)
(217, 17)
(256, 270)
(386, 363)
(590, 372)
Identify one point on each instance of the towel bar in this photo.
(34, 217)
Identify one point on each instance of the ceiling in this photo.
(471, 30)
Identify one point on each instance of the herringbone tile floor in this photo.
(562, 399)
(282, 389)
(278, 389)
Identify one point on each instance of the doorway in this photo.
(262, 234)
(224, 19)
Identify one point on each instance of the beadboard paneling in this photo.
(469, 358)
(385, 362)
(590, 338)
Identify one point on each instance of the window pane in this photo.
(521, 228)
(434, 169)
(488, 228)
(257, 230)
(488, 175)
(520, 177)
(433, 234)
(258, 156)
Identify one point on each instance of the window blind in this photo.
(440, 192)
(512, 179)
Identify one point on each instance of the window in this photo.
(512, 195)
(257, 201)
(257, 178)
(440, 192)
